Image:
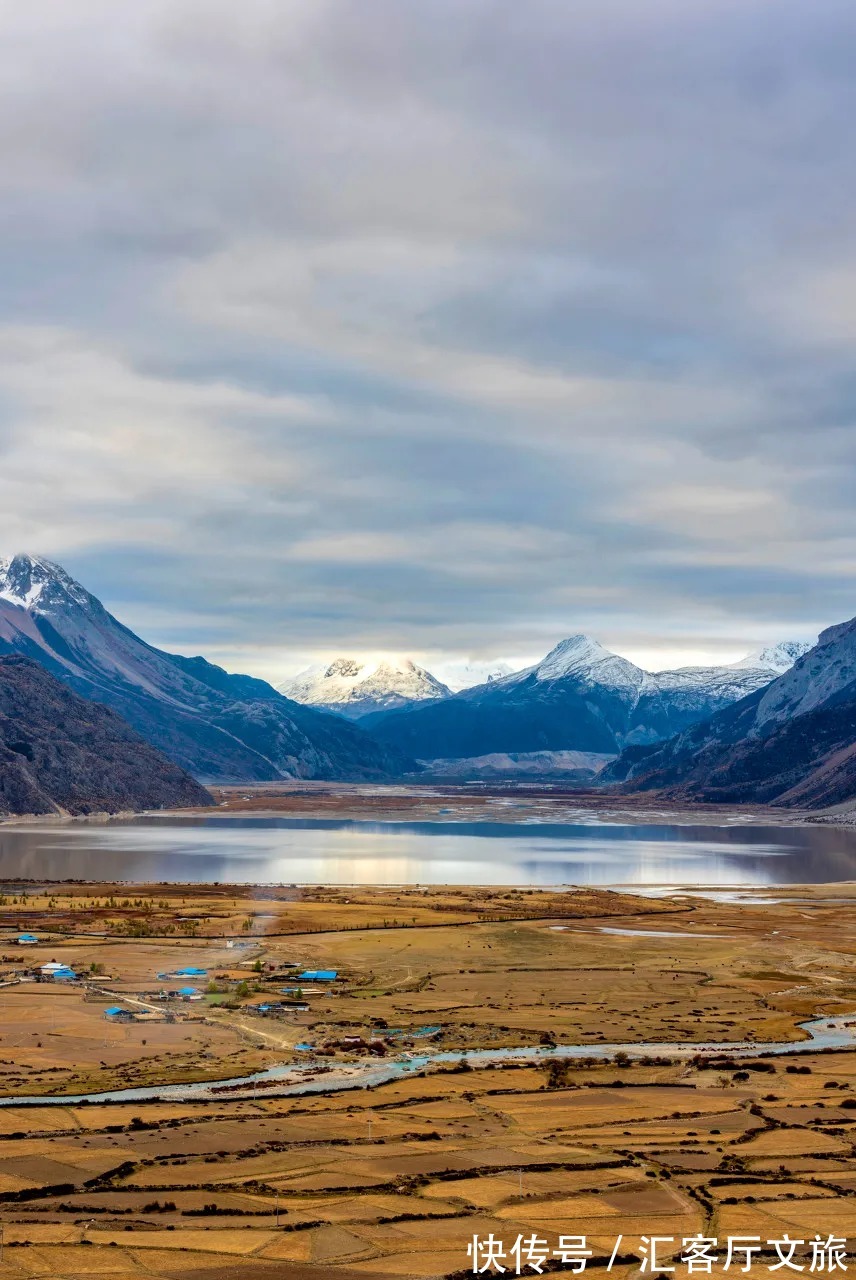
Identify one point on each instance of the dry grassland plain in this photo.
(394, 1181)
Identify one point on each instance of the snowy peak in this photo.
(584, 658)
(354, 687)
(38, 585)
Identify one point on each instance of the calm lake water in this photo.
(279, 850)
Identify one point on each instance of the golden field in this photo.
(394, 1181)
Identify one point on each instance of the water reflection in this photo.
(277, 850)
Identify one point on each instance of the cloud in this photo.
(451, 328)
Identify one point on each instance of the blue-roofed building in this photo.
(190, 971)
(117, 1013)
(27, 940)
(188, 991)
(319, 975)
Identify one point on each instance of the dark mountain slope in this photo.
(216, 725)
(792, 743)
(60, 752)
(525, 718)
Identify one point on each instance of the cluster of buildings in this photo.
(282, 1000)
(295, 1000)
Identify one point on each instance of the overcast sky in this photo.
(433, 326)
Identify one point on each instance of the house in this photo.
(117, 1014)
(27, 940)
(319, 975)
(190, 971)
(56, 972)
(188, 993)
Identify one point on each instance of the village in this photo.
(263, 988)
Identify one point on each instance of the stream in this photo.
(822, 1033)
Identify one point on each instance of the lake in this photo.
(272, 850)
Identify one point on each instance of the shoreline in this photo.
(571, 814)
(526, 803)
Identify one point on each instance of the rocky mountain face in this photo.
(217, 726)
(60, 753)
(354, 688)
(792, 742)
(578, 768)
(581, 697)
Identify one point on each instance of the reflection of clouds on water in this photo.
(258, 851)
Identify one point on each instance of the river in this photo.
(291, 1079)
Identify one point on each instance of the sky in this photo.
(440, 327)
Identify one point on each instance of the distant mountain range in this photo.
(778, 726)
(792, 742)
(581, 697)
(219, 727)
(60, 753)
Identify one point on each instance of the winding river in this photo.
(292, 1079)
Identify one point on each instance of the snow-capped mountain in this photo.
(216, 725)
(581, 657)
(353, 687)
(777, 657)
(580, 697)
(792, 741)
(39, 585)
(670, 700)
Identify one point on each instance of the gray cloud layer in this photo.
(448, 326)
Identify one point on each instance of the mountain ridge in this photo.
(792, 742)
(580, 696)
(217, 726)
